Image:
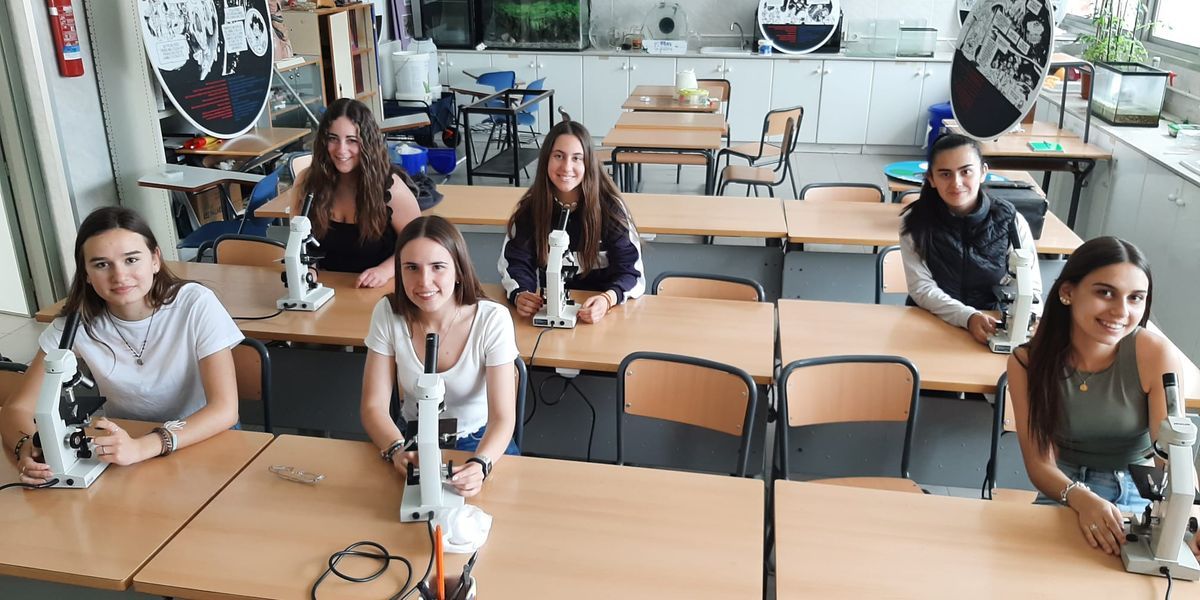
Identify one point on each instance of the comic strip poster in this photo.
(965, 6)
(212, 59)
(1000, 61)
(798, 26)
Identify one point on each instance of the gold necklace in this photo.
(1083, 386)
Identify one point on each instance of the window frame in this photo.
(1177, 52)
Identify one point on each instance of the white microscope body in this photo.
(1018, 307)
(425, 497)
(66, 448)
(1159, 547)
(303, 292)
(559, 310)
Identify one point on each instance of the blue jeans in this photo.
(1114, 486)
(470, 443)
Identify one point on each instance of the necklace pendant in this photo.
(1083, 387)
(140, 363)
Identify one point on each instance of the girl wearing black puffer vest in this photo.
(955, 240)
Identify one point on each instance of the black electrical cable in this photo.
(262, 318)
(30, 486)
(532, 355)
(382, 555)
(1166, 573)
(592, 428)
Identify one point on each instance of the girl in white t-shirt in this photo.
(437, 292)
(157, 346)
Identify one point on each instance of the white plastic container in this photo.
(387, 81)
(410, 70)
(427, 46)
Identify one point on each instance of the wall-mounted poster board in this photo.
(1000, 61)
(212, 59)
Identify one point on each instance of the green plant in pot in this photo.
(1111, 40)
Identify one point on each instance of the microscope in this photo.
(1155, 541)
(1016, 317)
(303, 291)
(425, 498)
(559, 310)
(61, 417)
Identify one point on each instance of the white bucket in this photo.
(386, 82)
(411, 73)
(427, 46)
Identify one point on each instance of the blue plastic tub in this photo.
(443, 160)
(413, 158)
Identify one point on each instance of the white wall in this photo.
(12, 292)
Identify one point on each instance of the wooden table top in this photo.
(844, 542)
(101, 536)
(252, 144)
(667, 103)
(1017, 146)
(946, 357)
(666, 139)
(194, 179)
(589, 528)
(654, 90)
(895, 185)
(686, 121)
(878, 224)
(652, 213)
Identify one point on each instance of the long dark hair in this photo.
(374, 172)
(921, 216)
(600, 205)
(1050, 348)
(84, 300)
(467, 289)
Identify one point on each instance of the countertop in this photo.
(945, 56)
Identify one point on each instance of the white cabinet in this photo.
(749, 82)
(651, 70)
(797, 82)
(605, 88)
(452, 65)
(845, 102)
(895, 101)
(705, 68)
(935, 89)
(563, 74)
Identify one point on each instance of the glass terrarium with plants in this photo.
(536, 24)
(1125, 91)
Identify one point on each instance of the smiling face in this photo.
(1107, 304)
(428, 275)
(956, 173)
(121, 268)
(343, 145)
(566, 165)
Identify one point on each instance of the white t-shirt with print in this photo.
(491, 342)
(168, 385)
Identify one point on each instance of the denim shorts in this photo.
(1114, 486)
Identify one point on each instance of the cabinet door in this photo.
(749, 79)
(605, 88)
(477, 63)
(340, 54)
(1125, 191)
(1184, 267)
(564, 75)
(523, 65)
(796, 82)
(845, 100)
(651, 70)
(895, 96)
(705, 68)
(934, 90)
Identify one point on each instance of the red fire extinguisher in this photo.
(66, 38)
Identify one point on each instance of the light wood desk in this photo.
(659, 103)
(684, 121)
(843, 542)
(193, 180)
(946, 357)
(878, 224)
(896, 186)
(252, 144)
(569, 526)
(654, 90)
(629, 144)
(101, 536)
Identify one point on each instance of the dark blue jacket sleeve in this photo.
(518, 265)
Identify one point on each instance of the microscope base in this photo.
(564, 321)
(310, 301)
(81, 475)
(1001, 345)
(413, 510)
(1139, 558)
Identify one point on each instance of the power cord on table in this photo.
(382, 555)
(30, 486)
(262, 318)
(1166, 573)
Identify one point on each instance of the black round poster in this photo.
(798, 26)
(212, 58)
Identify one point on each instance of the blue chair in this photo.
(263, 192)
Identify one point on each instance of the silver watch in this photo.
(484, 462)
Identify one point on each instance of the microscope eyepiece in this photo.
(431, 350)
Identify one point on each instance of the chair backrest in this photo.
(252, 366)
(692, 391)
(248, 250)
(909, 197)
(791, 133)
(706, 285)
(11, 375)
(522, 388)
(299, 163)
(1002, 422)
(538, 84)
(264, 191)
(718, 89)
(498, 80)
(775, 122)
(848, 389)
(889, 273)
(843, 192)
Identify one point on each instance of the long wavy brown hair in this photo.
(600, 205)
(467, 289)
(1050, 348)
(374, 172)
(84, 300)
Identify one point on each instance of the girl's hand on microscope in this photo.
(33, 470)
(401, 460)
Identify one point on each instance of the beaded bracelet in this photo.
(164, 436)
(395, 446)
(20, 444)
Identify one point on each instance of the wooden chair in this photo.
(765, 148)
(718, 89)
(299, 163)
(753, 177)
(11, 374)
(908, 197)
(1002, 423)
(692, 391)
(845, 389)
(252, 366)
(843, 192)
(707, 285)
(889, 273)
(248, 250)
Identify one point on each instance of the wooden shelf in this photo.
(308, 60)
(293, 106)
(366, 94)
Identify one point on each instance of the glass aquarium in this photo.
(1128, 94)
(536, 24)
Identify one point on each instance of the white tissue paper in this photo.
(464, 528)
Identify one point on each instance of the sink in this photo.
(724, 51)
